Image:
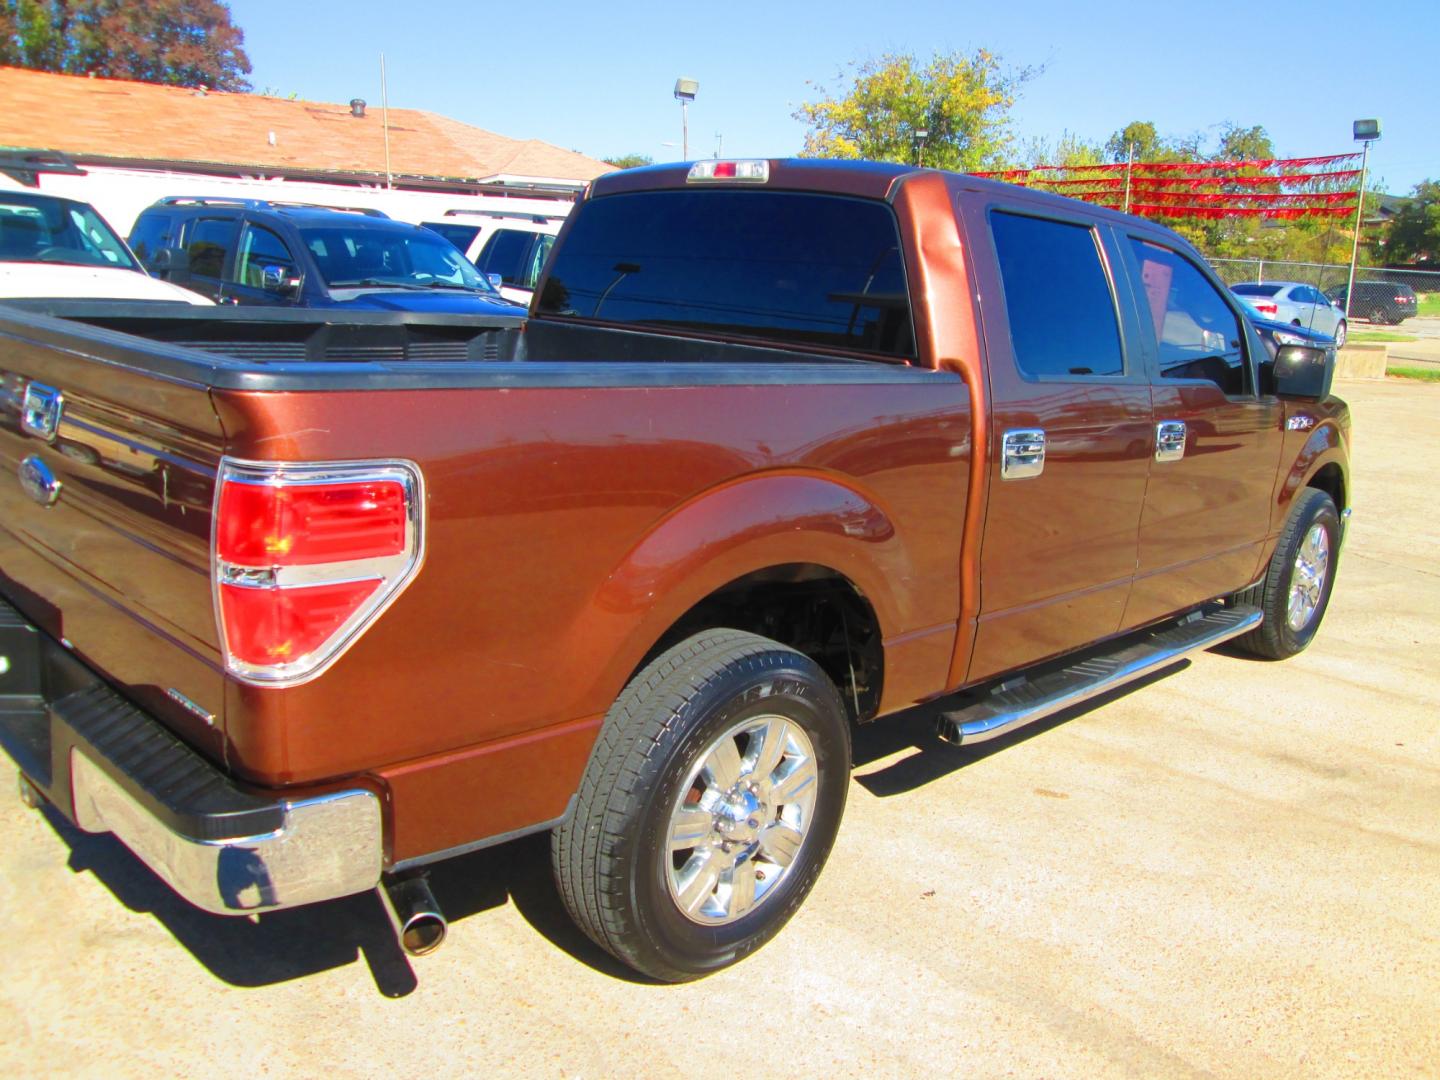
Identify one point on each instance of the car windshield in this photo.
(356, 256)
(1255, 290)
(39, 228)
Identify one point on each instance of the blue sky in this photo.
(597, 77)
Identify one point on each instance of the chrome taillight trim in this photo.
(393, 572)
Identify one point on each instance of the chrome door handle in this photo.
(1022, 454)
(1169, 440)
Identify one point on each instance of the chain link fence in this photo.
(1325, 275)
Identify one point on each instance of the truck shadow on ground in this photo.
(284, 945)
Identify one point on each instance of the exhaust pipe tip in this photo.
(415, 917)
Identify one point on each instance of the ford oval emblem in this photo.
(38, 481)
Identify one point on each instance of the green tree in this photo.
(1150, 145)
(1414, 234)
(961, 102)
(1070, 152)
(1244, 144)
(176, 42)
(630, 161)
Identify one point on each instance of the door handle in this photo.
(1169, 440)
(1022, 454)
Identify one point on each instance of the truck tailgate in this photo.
(105, 508)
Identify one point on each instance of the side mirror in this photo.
(171, 261)
(495, 281)
(1303, 372)
(274, 279)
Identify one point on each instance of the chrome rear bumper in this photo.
(110, 766)
(328, 846)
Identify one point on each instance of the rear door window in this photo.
(1058, 298)
(506, 253)
(818, 270)
(209, 244)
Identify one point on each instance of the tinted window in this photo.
(459, 235)
(505, 253)
(151, 233)
(1196, 333)
(354, 255)
(43, 228)
(209, 243)
(260, 248)
(1058, 298)
(819, 269)
(1255, 290)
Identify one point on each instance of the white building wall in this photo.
(120, 194)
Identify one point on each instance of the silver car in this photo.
(1297, 303)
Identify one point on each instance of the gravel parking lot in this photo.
(1231, 870)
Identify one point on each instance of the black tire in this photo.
(1379, 317)
(1275, 638)
(612, 859)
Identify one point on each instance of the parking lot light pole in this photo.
(1366, 132)
(685, 91)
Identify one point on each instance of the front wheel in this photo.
(709, 806)
(1296, 588)
(1340, 333)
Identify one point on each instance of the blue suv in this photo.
(251, 251)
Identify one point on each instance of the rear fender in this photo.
(722, 535)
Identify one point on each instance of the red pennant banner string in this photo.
(1139, 167)
(1205, 189)
(1149, 183)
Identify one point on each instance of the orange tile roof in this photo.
(133, 120)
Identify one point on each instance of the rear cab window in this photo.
(824, 271)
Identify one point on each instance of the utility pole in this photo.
(1129, 165)
(385, 121)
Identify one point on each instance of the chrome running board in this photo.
(1021, 700)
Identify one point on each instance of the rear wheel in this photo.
(1379, 317)
(1296, 588)
(709, 806)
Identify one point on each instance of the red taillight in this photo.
(1402, 299)
(269, 626)
(1267, 309)
(306, 556)
(299, 525)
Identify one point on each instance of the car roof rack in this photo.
(263, 204)
(522, 215)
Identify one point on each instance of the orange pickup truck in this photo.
(297, 603)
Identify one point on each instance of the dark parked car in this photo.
(1378, 301)
(249, 251)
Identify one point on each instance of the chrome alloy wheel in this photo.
(1307, 580)
(740, 819)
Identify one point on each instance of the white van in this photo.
(509, 247)
(54, 247)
